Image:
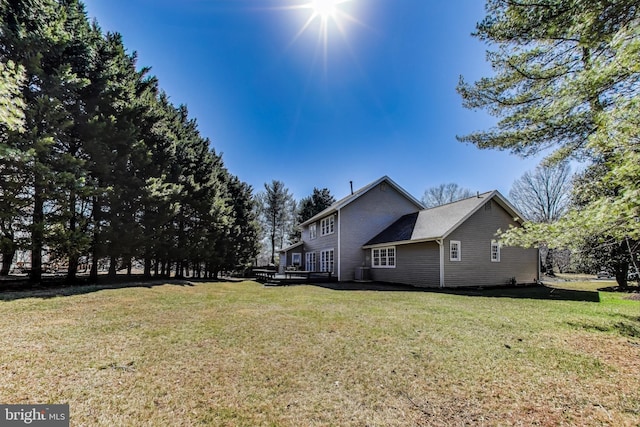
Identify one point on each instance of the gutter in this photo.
(339, 236)
(441, 244)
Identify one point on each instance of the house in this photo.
(382, 233)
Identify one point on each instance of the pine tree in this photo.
(275, 207)
(567, 79)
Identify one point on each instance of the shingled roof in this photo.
(437, 223)
(356, 194)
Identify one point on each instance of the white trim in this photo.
(495, 245)
(328, 225)
(458, 250)
(310, 261)
(293, 258)
(358, 193)
(325, 262)
(339, 242)
(386, 260)
(441, 244)
(314, 227)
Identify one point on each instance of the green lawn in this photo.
(240, 354)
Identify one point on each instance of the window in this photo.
(454, 250)
(383, 257)
(313, 231)
(495, 252)
(326, 260)
(310, 261)
(327, 225)
(296, 259)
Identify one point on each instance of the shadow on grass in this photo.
(539, 292)
(11, 290)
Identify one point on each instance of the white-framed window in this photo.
(495, 252)
(313, 231)
(296, 259)
(326, 260)
(383, 257)
(310, 261)
(327, 225)
(455, 250)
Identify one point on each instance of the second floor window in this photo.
(327, 225)
(313, 231)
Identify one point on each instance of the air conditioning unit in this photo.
(363, 274)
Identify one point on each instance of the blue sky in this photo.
(282, 99)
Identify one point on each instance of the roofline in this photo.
(506, 204)
(500, 199)
(356, 194)
(486, 196)
(495, 194)
(401, 243)
(288, 248)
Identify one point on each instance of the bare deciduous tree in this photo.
(544, 196)
(443, 194)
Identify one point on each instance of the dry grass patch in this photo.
(244, 355)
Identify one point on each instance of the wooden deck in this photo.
(271, 278)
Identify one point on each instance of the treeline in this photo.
(99, 165)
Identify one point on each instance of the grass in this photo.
(239, 354)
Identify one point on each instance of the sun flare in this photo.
(329, 19)
(324, 8)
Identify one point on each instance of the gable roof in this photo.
(438, 222)
(290, 247)
(356, 194)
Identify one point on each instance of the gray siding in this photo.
(417, 264)
(475, 267)
(362, 219)
(321, 243)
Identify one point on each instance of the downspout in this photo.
(339, 236)
(441, 244)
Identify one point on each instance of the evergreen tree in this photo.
(275, 207)
(244, 228)
(11, 103)
(96, 161)
(310, 206)
(37, 39)
(567, 79)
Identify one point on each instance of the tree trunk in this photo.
(163, 269)
(93, 274)
(622, 272)
(112, 266)
(73, 268)
(147, 266)
(548, 262)
(72, 256)
(37, 232)
(7, 260)
(273, 248)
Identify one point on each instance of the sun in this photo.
(326, 15)
(325, 9)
